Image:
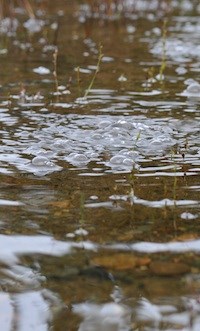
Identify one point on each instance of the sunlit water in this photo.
(100, 194)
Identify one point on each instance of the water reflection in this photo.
(111, 316)
(105, 317)
(146, 315)
(131, 149)
(27, 311)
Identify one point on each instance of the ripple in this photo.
(35, 310)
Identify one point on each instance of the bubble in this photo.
(9, 26)
(104, 124)
(132, 154)
(140, 126)
(130, 29)
(92, 155)
(34, 25)
(189, 81)
(194, 88)
(157, 31)
(60, 144)
(40, 161)
(181, 70)
(78, 159)
(124, 124)
(46, 154)
(115, 132)
(96, 136)
(128, 162)
(117, 159)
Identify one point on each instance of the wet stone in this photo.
(169, 268)
(64, 274)
(96, 272)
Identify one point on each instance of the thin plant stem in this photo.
(28, 8)
(137, 139)
(78, 80)
(82, 210)
(55, 74)
(174, 194)
(100, 56)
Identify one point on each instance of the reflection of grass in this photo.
(104, 7)
(110, 7)
(174, 190)
(55, 74)
(82, 210)
(78, 80)
(7, 7)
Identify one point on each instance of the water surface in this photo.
(99, 197)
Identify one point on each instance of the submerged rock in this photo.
(161, 268)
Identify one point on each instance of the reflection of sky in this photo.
(145, 316)
(106, 317)
(12, 247)
(26, 311)
(32, 309)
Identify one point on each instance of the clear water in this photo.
(99, 199)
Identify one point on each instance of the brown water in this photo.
(100, 195)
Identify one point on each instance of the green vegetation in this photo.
(100, 56)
